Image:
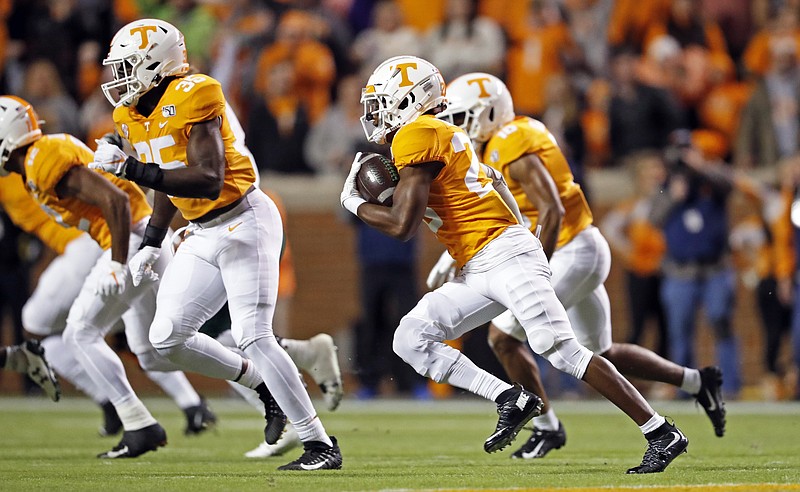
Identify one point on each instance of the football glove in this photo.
(141, 264)
(350, 197)
(443, 271)
(112, 280)
(109, 158)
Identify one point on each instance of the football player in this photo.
(114, 212)
(501, 264)
(45, 313)
(539, 177)
(179, 126)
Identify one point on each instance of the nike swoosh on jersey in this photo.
(162, 124)
(234, 226)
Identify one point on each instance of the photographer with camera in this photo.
(691, 209)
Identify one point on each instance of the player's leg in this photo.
(164, 373)
(90, 319)
(527, 291)
(44, 315)
(248, 259)
(192, 278)
(317, 357)
(446, 314)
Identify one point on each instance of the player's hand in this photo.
(112, 280)
(109, 158)
(141, 264)
(443, 271)
(350, 197)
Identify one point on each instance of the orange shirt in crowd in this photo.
(631, 18)
(532, 62)
(783, 237)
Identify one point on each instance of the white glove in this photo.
(350, 197)
(109, 158)
(141, 264)
(113, 280)
(443, 271)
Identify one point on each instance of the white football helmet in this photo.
(398, 91)
(479, 103)
(142, 53)
(19, 126)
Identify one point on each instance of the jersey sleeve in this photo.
(51, 165)
(204, 102)
(416, 145)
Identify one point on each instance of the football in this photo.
(377, 179)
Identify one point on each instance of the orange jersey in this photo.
(464, 210)
(163, 137)
(28, 216)
(47, 162)
(528, 136)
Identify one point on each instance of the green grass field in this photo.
(399, 445)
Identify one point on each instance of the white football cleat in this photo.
(288, 441)
(39, 370)
(325, 369)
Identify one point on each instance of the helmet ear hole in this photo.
(491, 113)
(403, 104)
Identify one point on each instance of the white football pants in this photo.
(233, 257)
(579, 268)
(487, 284)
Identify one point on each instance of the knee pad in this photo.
(153, 360)
(542, 340)
(162, 335)
(415, 341)
(569, 356)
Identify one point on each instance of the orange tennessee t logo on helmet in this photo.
(143, 33)
(403, 67)
(479, 82)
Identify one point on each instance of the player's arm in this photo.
(541, 190)
(92, 188)
(401, 220)
(202, 177)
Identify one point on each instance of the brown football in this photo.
(377, 179)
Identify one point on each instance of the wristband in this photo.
(149, 175)
(153, 236)
(351, 203)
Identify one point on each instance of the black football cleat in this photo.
(199, 418)
(112, 425)
(710, 398)
(515, 408)
(276, 419)
(666, 443)
(317, 456)
(542, 442)
(138, 442)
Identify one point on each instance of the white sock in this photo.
(63, 361)
(176, 385)
(312, 430)
(691, 381)
(133, 414)
(654, 423)
(546, 421)
(466, 375)
(250, 378)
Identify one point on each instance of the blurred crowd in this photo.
(697, 99)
